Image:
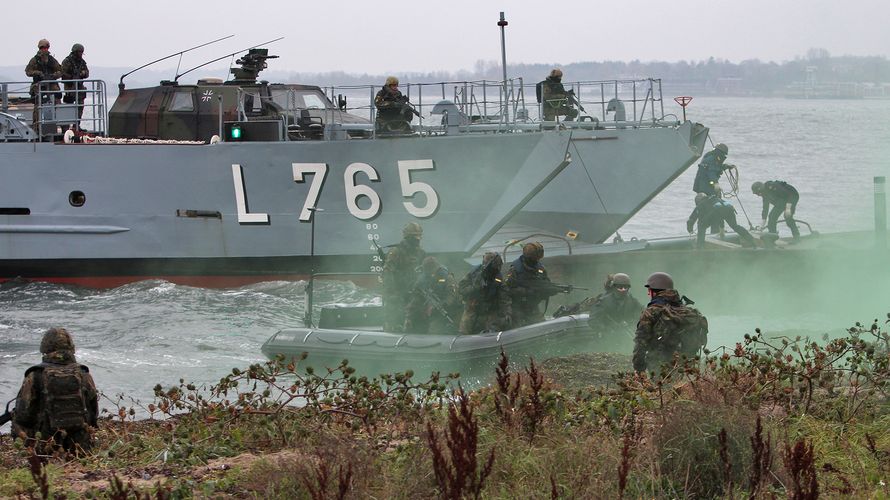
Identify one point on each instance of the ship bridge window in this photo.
(252, 103)
(313, 101)
(300, 99)
(182, 101)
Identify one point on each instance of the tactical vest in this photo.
(681, 328)
(63, 402)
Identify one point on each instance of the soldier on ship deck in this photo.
(394, 112)
(43, 67)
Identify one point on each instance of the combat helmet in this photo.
(56, 339)
(42, 42)
(492, 259)
(660, 281)
(533, 250)
(430, 265)
(619, 279)
(77, 48)
(391, 80)
(700, 197)
(412, 229)
(757, 187)
(556, 73)
(723, 148)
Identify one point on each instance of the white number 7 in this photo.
(319, 171)
(409, 189)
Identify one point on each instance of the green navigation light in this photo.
(235, 133)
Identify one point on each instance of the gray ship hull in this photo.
(613, 174)
(231, 213)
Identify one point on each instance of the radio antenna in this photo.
(225, 56)
(120, 85)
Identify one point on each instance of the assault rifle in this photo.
(436, 302)
(566, 288)
(6, 417)
(573, 100)
(380, 252)
(410, 107)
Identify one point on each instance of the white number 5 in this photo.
(409, 189)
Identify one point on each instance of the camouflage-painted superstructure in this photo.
(305, 186)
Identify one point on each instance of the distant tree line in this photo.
(754, 77)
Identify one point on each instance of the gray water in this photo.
(142, 334)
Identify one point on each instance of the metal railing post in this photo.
(880, 213)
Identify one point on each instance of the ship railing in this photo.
(58, 108)
(499, 106)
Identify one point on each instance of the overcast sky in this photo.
(358, 36)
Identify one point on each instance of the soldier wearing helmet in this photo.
(667, 326)
(555, 100)
(399, 275)
(710, 169)
(614, 310)
(783, 198)
(528, 285)
(74, 67)
(487, 305)
(710, 211)
(434, 306)
(58, 402)
(394, 112)
(43, 67)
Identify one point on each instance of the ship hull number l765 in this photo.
(354, 190)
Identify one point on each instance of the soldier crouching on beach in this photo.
(58, 402)
(667, 327)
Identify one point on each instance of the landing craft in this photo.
(297, 183)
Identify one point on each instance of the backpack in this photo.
(681, 328)
(539, 90)
(64, 404)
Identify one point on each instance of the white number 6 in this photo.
(355, 191)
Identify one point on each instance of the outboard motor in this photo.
(452, 118)
(616, 106)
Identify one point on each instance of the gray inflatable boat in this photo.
(372, 351)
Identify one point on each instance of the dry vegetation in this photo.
(770, 418)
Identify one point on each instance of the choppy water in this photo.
(138, 335)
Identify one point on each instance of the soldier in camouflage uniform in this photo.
(58, 401)
(399, 276)
(528, 285)
(555, 98)
(712, 211)
(434, 306)
(667, 326)
(487, 305)
(42, 67)
(393, 110)
(74, 67)
(614, 310)
(783, 198)
(710, 169)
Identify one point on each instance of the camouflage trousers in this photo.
(394, 313)
(473, 321)
(551, 112)
(74, 441)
